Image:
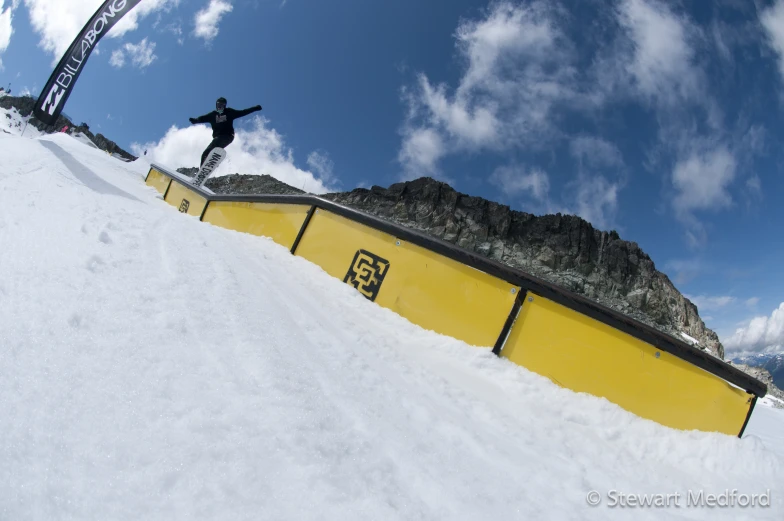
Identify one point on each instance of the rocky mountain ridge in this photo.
(24, 106)
(773, 363)
(763, 375)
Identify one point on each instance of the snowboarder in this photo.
(221, 119)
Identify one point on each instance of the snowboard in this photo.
(211, 162)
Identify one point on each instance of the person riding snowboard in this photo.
(221, 119)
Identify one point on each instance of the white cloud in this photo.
(594, 195)
(597, 200)
(658, 60)
(706, 303)
(176, 29)
(722, 46)
(58, 23)
(322, 165)
(518, 76)
(701, 180)
(130, 21)
(595, 152)
(422, 148)
(257, 151)
(754, 185)
(514, 181)
(753, 301)
(207, 20)
(517, 69)
(591, 197)
(6, 28)
(772, 20)
(141, 54)
(760, 334)
(117, 58)
(661, 61)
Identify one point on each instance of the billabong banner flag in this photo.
(57, 90)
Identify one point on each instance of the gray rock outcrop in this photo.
(764, 376)
(24, 106)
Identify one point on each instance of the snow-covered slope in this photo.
(156, 367)
(11, 122)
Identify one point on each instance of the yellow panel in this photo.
(280, 222)
(158, 180)
(185, 200)
(585, 355)
(428, 289)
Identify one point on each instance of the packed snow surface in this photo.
(156, 367)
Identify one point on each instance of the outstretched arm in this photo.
(200, 119)
(245, 112)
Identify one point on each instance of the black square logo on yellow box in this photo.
(184, 206)
(366, 273)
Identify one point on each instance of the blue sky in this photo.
(661, 120)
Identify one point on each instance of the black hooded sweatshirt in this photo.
(223, 124)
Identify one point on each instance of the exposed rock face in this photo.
(190, 172)
(248, 184)
(243, 184)
(563, 249)
(25, 104)
(764, 376)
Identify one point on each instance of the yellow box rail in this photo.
(428, 289)
(585, 355)
(576, 342)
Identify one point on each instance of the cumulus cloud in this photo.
(659, 56)
(58, 23)
(760, 334)
(141, 55)
(658, 60)
(701, 181)
(519, 76)
(517, 68)
(259, 150)
(709, 303)
(6, 28)
(522, 80)
(594, 152)
(175, 28)
(515, 180)
(422, 148)
(594, 194)
(597, 200)
(772, 20)
(207, 20)
(320, 162)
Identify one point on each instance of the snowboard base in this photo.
(211, 162)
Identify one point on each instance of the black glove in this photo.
(193, 120)
(257, 107)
